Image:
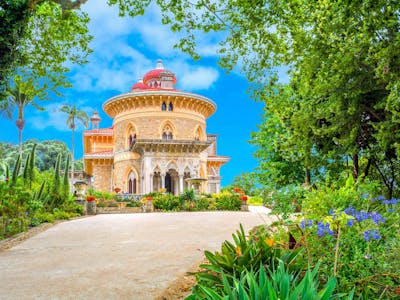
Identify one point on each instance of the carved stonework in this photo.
(158, 139)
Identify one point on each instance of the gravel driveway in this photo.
(125, 256)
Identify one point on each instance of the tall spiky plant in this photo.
(16, 170)
(56, 183)
(66, 182)
(74, 115)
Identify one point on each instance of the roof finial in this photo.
(159, 65)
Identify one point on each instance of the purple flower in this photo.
(350, 223)
(367, 256)
(323, 229)
(381, 198)
(306, 223)
(371, 234)
(377, 217)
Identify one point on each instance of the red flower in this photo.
(244, 198)
(117, 189)
(237, 190)
(90, 198)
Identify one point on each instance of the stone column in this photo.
(151, 183)
(163, 179)
(181, 183)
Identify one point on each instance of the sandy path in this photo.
(132, 256)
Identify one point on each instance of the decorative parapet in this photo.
(171, 146)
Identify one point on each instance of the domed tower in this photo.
(158, 139)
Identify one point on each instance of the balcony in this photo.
(169, 146)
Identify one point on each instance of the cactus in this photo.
(16, 170)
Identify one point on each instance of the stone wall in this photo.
(102, 174)
(122, 169)
(150, 127)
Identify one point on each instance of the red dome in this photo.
(157, 73)
(139, 86)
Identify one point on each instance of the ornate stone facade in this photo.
(158, 139)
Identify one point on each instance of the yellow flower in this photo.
(238, 251)
(270, 242)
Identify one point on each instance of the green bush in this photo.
(287, 200)
(167, 202)
(227, 201)
(273, 284)
(243, 254)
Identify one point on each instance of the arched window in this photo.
(163, 106)
(170, 106)
(132, 182)
(130, 136)
(198, 134)
(167, 133)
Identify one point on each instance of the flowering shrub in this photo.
(90, 198)
(244, 198)
(356, 245)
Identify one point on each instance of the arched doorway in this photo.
(169, 183)
(132, 183)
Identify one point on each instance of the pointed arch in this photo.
(130, 134)
(131, 181)
(170, 106)
(163, 106)
(198, 133)
(167, 131)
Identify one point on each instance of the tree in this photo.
(45, 153)
(342, 58)
(20, 95)
(74, 115)
(38, 38)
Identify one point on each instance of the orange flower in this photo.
(90, 198)
(238, 251)
(237, 190)
(244, 198)
(270, 242)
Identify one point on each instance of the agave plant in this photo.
(273, 284)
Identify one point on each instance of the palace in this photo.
(157, 141)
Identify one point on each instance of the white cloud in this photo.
(126, 48)
(52, 117)
(200, 78)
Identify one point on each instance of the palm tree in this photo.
(20, 95)
(74, 115)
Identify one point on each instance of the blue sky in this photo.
(124, 50)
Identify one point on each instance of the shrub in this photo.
(167, 202)
(273, 284)
(287, 200)
(243, 254)
(227, 201)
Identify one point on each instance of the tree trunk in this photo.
(308, 177)
(20, 124)
(355, 167)
(72, 158)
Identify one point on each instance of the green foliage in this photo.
(256, 201)
(276, 283)
(227, 201)
(244, 254)
(167, 202)
(29, 200)
(39, 38)
(45, 153)
(287, 200)
(247, 182)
